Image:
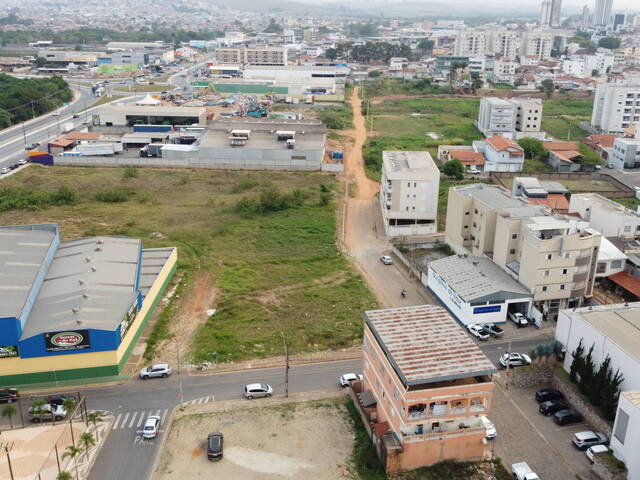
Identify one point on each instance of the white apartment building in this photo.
(528, 115)
(626, 152)
(409, 193)
(504, 69)
(583, 66)
(267, 56)
(553, 256)
(398, 64)
(615, 106)
(625, 442)
(537, 43)
(471, 43)
(505, 43)
(608, 217)
(512, 118)
(545, 13)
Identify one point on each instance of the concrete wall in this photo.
(627, 448)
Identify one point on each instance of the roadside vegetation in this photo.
(391, 86)
(336, 118)
(266, 238)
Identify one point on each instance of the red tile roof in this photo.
(500, 143)
(627, 281)
(560, 146)
(555, 201)
(567, 155)
(468, 157)
(604, 140)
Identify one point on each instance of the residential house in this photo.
(430, 384)
(564, 156)
(601, 143)
(501, 154)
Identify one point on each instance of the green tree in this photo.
(426, 45)
(64, 476)
(9, 411)
(589, 156)
(95, 417)
(611, 394)
(609, 42)
(72, 452)
(374, 74)
(547, 87)
(476, 81)
(587, 373)
(331, 53)
(599, 379)
(70, 404)
(576, 363)
(533, 148)
(87, 440)
(273, 27)
(454, 169)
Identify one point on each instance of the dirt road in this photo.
(364, 237)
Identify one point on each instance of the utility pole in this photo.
(508, 365)
(33, 110)
(24, 135)
(180, 394)
(286, 366)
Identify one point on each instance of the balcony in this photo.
(580, 277)
(436, 430)
(583, 260)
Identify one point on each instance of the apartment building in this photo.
(505, 43)
(606, 216)
(430, 384)
(471, 43)
(528, 115)
(267, 56)
(497, 116)
(537, 43)
(584, 66)
(504, 69)
(409, 193)
(501, 154)
(553, 256)
(626, 152)
(615, 106)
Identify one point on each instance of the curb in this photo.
(163, 442)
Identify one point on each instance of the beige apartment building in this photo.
(426, 388)
(267, 56)
(553, 256)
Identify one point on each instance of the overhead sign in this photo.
(68, 340)
(8, 351)
(488, 309)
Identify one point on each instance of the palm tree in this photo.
(9, 411)
(95, 417)
(64, 476)
(69, 404)
(72, 452)
(87, 441)
(37, 408)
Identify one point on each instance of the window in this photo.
(622, 422)
(544, 288)
(475, 210)
(562, 287)
(627, 228)
(546, 273)
(467, 213)
(549, 256)
(514, 236)
(616, 264)
(564, 271)
(567, 255)
(512, 251)
(409, 184)
(415, 184)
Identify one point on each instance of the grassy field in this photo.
(277, 272)
(560, 117)
(141, 88)
(389, 86)
(104, 99)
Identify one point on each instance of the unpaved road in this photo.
(362, 238)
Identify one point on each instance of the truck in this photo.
(67, 127)
(522, 471)
(152, 150)
(98, 148)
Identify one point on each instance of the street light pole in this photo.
(24, 135)
(286, 366)
(181, 394)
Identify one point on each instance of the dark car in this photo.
(546, 394)
(9, 395)
(567, 416)
(552, 406)
(59, 399)
(494, 330)
(31, 146)
(215, 442)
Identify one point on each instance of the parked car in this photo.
(546, 394)
(162, 370)
(489, 427)
(9, 395)
(257, 390)
(519, 319)
(150, 429)
(478, 332)
(347, 378)
(514, 359)
(567, 416)
(59, 399)
(584, 440)
(593, 451)
(522, 471)
(552, 406)
(493, 329)
(31, 146)
(75, 115)
(4, 170)
(46, 413)
(23, 161)
(55, 115)
(215, 443)
(473, 171)
(386, 259)
(610, 165)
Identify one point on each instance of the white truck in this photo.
(522, 471)
(98, 148)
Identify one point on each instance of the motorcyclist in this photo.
(403, 292)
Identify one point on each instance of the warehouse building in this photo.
(476, 290)
(75, 309)
(128, 115)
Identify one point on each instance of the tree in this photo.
(609, 42)
(587, 373)
(9, 411)
(331, 53)
(454, 168)
(374, 74)
(95, 417)
(426, 45)
(589, 156)
(547, 87)
(476, 82)
(533, 148)
(87, 440)
(273, 27)
(64, 476)
(611, 394)
(72, 452)
(599, 379)
(576, 363)
(70, 404)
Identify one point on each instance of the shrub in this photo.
(325, 198)
(245, 184)
(116, 195)
(64, 195)
(271, 200)
(130, 172)
(454, 168)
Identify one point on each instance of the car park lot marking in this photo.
(126, 420)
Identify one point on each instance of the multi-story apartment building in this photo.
(528, 114)
(606, 216)
(431, 384)
(504, 69)
(505, 43)
(626, 152)
(497, 116)
(229, 55)
(556, 12)
(616, 106)
(471, 43)
(584, 66)
(409, 193)
(537, 43)
(553, 256)
(267, 56)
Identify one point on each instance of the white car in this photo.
(23, 161)
(474, 171)
(593, 451)
(256, 390)
(150, 429)
(519, 319)
(47, 412)
(386, 259)
(514, 359)
(347, 378)
(4, 170)
(478, 332)
(162, 370)
(489, 427)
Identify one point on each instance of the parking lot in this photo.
(526, 435)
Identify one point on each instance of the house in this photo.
(565, 160)
(601, 143)
(501, 154)
(398, 64)
(608, 217)
(465, 153)
(430, 384)
(409, 193)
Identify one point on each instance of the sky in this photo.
(570, 4)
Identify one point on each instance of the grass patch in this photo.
(336, 118)
(389, 86)
(278, 271)
(630, 202)
(561, 116)
(141, 88)
(104, 99)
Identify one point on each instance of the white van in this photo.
(489, 427)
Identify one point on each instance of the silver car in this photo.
(162, 370)
(257, 390)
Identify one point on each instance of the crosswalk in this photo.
(126, 420)
(200, 400)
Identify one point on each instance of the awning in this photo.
(630, 283)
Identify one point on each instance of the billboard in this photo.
(67, 340)
(8, 351)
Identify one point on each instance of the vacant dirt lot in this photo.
(310, 440)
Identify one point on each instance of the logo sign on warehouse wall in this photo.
(68, 340)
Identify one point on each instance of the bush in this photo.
(23, 198)
(454, 169)
(63, 195)
(245, 184)
(116, 195)
(336, 118)
(325, 198)
(271, 200)
(130, 172)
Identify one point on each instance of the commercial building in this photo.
(65, 57)
(625, 443)
(429, 384)
(606, 216)
(476, 290)
(616, 106)
(129, 115)
(409, 193)
(553, 256)
(75, 309)
(307, 80)
(267, 56)
(501, 154)
(602, 13)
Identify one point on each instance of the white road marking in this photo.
(133, 419)
(124, 420)
(141, 418)
(116, 421)
(164, 415)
